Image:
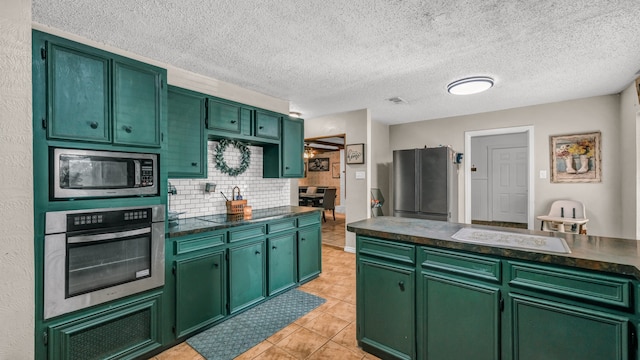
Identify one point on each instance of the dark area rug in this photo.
(234, 336)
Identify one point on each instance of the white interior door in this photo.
(509, 176)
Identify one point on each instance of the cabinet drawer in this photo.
(386, 250)
(480, 267)
(284, 225)
(596, 288)
(246, 232)
(309, 219)
(198, 242)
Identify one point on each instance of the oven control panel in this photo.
(108, 219)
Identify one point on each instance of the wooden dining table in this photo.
(314, 198)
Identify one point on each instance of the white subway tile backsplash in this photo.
(260, 193)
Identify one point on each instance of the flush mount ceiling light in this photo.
(294, 114)
(472, 85)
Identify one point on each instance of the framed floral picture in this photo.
(576, 158)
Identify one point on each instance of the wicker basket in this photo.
(236, 206)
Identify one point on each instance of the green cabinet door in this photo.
(78, 94)
(187, 154)
(282, 262)
(309, 253)
(136, 104)
(246, 275)
(225, 116)
(386, 309)
(200, 292)
(292, 148)
(549, 330)
(267, 125)
(461, 319)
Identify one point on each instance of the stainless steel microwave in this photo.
(87, 173)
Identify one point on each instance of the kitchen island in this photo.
(432, 289)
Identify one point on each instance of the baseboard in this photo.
(341, 209)
(350, 249)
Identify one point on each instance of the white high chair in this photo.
(565, 216)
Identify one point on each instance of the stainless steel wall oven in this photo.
(98, 255)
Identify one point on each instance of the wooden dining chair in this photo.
(328, 202)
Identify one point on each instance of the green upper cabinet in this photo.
(292, 147)
(187, 155)
(267, 125)
(96, 96)
(286, 160)
(136, 104)
(228, 117)
(78, 95)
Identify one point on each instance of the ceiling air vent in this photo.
(398, 100)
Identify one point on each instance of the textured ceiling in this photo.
(329, 56)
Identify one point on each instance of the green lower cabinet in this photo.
(200, 292)
(309, 252)
(246, 275)
(549, 330)
(460, 319)
(386, 309)
(125, 331)
(281, 254)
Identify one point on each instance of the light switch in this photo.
(543, 174)
(360, 175)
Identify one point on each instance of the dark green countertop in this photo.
(613, 255)
(199, 224)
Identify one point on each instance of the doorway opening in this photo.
(499, 188)
(324, 166)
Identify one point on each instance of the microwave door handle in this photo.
(137, 173)
(110, 236)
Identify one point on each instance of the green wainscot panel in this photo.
(125, 331)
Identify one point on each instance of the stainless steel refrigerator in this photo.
(425, 184)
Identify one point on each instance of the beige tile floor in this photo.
(329, 331)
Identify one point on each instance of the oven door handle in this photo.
(109, 236)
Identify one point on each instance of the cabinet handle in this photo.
(215, 265)
(194, 164)
(93, 124)
(260, 127)
(257, 252)
(127, 129)
(401, 285)
(286, 168)
(233, 121)
(302, 239)
(274, 247)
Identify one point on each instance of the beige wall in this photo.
(380, 158)
(602, 200)
(354, 124)
(629, 140)
(16, 186)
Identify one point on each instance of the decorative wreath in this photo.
(245, 157)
